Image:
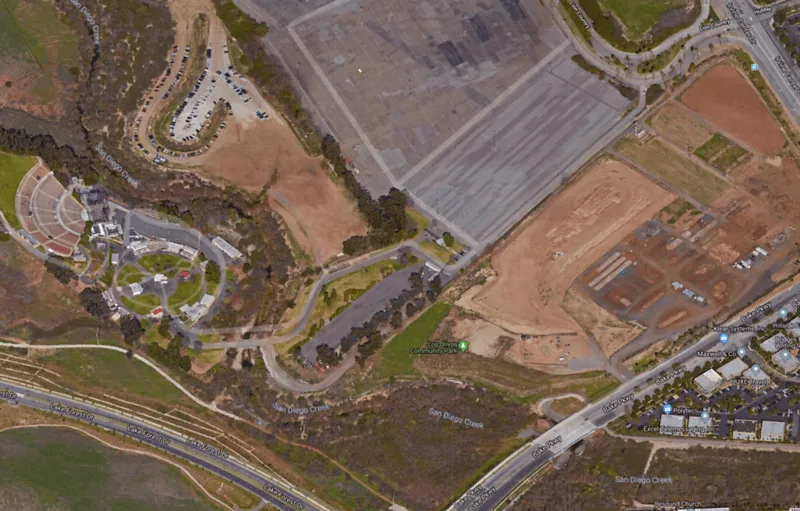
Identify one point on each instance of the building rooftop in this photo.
(671, 424)
(775, 343)
(733, 369)
(786, 361)
(772, 430)
(698, 426)
(708, 380)
(745, 425)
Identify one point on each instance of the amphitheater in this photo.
(49, 214)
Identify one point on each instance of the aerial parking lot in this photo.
(467, 107)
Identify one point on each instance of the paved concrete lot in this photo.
(516, 156)
(360, 312)
(413, 74)
(474, 107)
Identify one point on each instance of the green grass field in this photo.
(443, 254)
(160, 263)
(394, 359)
(673, 168)
(729, 157)
(111, 372)
(142, 304)
(12, 169)
(715, 145)
(56, 468)
(37, 50)
(420, 220)
(639, 16)
(662, 60)
(129, 275)
(189, 291)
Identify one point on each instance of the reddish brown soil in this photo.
(539, 263)
(317, 211)
(726, 98)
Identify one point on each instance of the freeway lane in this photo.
(498, 484)
(277, 492)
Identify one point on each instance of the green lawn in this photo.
(142, 304)
(12, 169)
(159, 263)
(189, 291)
(394, 359)
(715, 145)
(106, 371)
(420, 220)
(674, 168)
(639, 16)
(662, 60)
(56, 468)
(729, 157)
(441, 253)
(129, 275)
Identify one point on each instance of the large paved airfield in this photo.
(476, 109)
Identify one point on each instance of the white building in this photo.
(708, 382)
(160, 278)
(698, 427)
(136, 289)
(786, 361)
(671, 424)
(773, 431)
(227, 248)
(775, 343)
(733, 369)
(756, 379)
(207, 301)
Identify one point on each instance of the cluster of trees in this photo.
(171, 355)
(60, 272)
(92, 300)
(386, 217)
(131, 329)
(413, 300)
(169, 208)
(56, 156)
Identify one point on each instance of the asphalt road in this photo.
(276, 492)
(493, 488)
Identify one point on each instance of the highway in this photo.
(498, 484)
(276, 492)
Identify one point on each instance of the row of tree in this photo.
(386, 216)
(412, 299)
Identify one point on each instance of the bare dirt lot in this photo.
(777, 186)
(538, 265)
(724, 97)
(675, 123)
(316, 210)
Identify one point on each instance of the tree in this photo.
(327, 355)
(131, 329)
(95, 304)
(410, 309)
(61, 273)
(448, 239)
(397, 320)
(163, 328)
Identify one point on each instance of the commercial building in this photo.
(773, 431)
(228, 249)
(698, 427)
(160, 278)
(786, 361)
(671, 424)
(775, 343)
(708, 382)
(733, 369)
(756, 379)
(744, 429)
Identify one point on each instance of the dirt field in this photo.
(316, 210)
(677, 124)
(724, 97)
(538, 265)
(40, 61)
(609, 332)
(28, 294)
